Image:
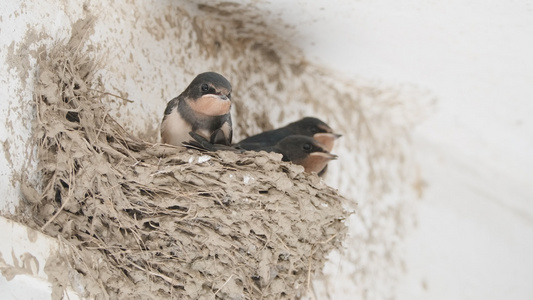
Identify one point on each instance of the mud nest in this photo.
(146, 220)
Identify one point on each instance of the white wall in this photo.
(475, 228)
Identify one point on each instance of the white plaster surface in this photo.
(475, 219)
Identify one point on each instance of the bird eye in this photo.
(306, 147)
(314, 130)
(205, 87)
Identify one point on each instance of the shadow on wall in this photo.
(274, 84)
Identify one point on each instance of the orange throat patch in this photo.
(326, 139)
(210, 105)
(317, 161)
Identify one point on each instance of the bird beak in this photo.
(326, 155)
(223, 97)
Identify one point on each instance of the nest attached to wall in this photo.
(153, 221)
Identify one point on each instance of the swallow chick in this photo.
(204, 108)
(308, 126)
(303, 150)
(298, 149)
